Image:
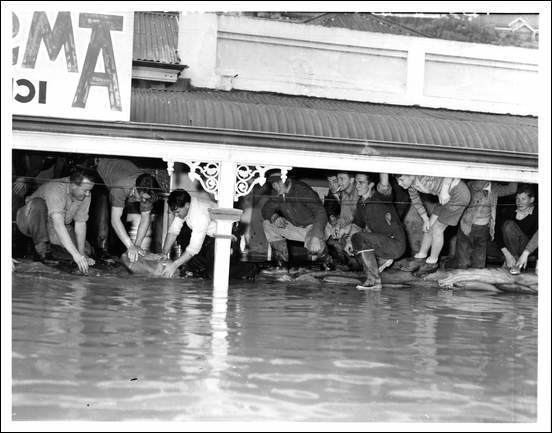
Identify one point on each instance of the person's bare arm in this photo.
(80, 234)
(117, 224)
(169, 242)
(143, 226)
(67, 242)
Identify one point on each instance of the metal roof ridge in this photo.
(197, 90)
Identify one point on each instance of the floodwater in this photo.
(126, 348)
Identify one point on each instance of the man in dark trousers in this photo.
(294, 212)
(56, 213)
(518, 237)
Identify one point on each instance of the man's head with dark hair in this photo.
(275, 180)
(405, 180)
(345, 181)
(147, 187)
(77, 176)
(332, 183)
(525, 196)
(528, 189)
(179, 202)
(365, 182)
(81, 183)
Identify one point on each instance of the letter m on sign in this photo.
(100, 39)
(62, 35)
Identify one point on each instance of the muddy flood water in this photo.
(129, 348)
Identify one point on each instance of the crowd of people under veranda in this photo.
(359, 225)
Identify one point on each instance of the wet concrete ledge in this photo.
(490, 280)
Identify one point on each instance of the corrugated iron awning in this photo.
(311, 117)
(156, 38)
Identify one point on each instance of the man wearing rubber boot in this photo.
(294, 212)
(376, 233)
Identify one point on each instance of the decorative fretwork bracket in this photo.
(207, 173)
(247, 176)
(170, 166)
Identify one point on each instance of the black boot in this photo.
(280, 254)
(42, 254)
(102, 255)
(327, 261)
(370, 265)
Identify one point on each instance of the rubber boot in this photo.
(102, 254)
(327, 261)
(370, 265)
(44, 255)
(280, 254)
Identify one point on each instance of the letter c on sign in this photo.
(30, 95)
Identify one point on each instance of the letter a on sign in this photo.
(100, 39)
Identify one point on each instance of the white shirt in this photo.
(199, 221)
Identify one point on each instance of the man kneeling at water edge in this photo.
(194, 212)
(189, 213)
(56, 213)
(191, 220)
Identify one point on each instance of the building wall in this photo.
(237, 52)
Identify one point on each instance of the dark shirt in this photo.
(332, 206)
(371, 213)
(301, 206)
(528, 225)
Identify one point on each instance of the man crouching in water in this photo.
(194, 213)
(56, 213)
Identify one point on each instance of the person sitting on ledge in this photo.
(48, 213)
(332, 200)
(454, 196)
(348, 198)
(294, 212)
(376, 233)
(477, 225)
(518, 236)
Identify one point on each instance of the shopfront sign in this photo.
(72, 64)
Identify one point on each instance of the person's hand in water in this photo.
(169, 270)
(81, 262)
(134, 253)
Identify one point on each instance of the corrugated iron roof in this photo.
(261, 112)
(156, 37)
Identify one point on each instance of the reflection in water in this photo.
(133, 348)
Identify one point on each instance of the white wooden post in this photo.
(225, 216)
(170, 170)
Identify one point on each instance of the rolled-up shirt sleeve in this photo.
(118, 196)
(196, 242)
(176, 226)
(55, 202)
(82, 212)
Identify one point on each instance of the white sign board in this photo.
(72, 64)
